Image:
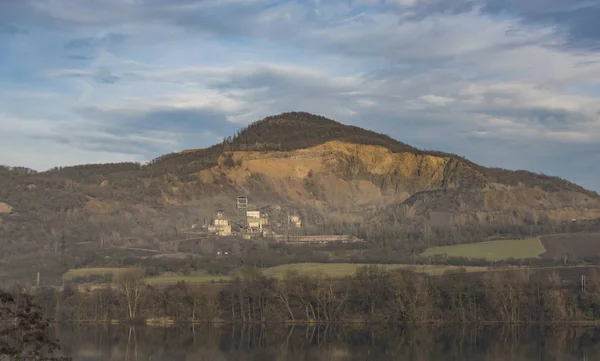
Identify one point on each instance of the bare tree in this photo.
(131, 284)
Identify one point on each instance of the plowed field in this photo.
(573, 246)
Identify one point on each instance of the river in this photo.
(320, 343)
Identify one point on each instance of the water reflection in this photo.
(328, 342)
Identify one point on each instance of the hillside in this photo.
(338, 178)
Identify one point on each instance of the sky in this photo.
(505, 83)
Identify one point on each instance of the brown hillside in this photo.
(294, 131)
(338, 178)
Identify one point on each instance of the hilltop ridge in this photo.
(298, 130)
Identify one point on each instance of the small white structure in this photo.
(295, 221)
(267, 232)
(252, 214)
(254, 224)
(220, 222)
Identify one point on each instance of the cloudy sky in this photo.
(508, 83)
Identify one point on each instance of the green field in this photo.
(492, 251)
(86, 272)
(346, 269)
(314, 269)
(198, 278)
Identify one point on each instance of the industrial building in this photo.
(295, 221)
(220, 226)
(255, 221)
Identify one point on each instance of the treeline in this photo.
(391, 225)
(297, 130)
(372, 295)
(530, 179)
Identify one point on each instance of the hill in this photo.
(337, 178)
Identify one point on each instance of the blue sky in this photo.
(506, 83)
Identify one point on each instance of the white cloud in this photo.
(33, 143)
(437, 100)
(407, 67)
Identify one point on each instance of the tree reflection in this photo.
(328, 342)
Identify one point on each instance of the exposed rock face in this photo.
(338, 174)
(349, 177)
(5, 208)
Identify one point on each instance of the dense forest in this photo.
(372, 295)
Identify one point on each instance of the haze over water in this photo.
(325, 343)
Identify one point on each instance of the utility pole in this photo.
(288, 230)
(38, 280)
(62, 249)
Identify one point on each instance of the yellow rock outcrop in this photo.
(5, 208)
(288, 172)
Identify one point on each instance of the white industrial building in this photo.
(295, 221)
(255, 221)
(220, 225)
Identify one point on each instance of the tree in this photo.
(131, 284)
(374, 287)
(24, 330)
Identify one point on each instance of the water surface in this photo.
(320, 343)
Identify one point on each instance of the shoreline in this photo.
(169, 323)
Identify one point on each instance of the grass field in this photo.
(324, 269)
(198, 278)
(493, 251)
(346, 269)
(86, 272)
